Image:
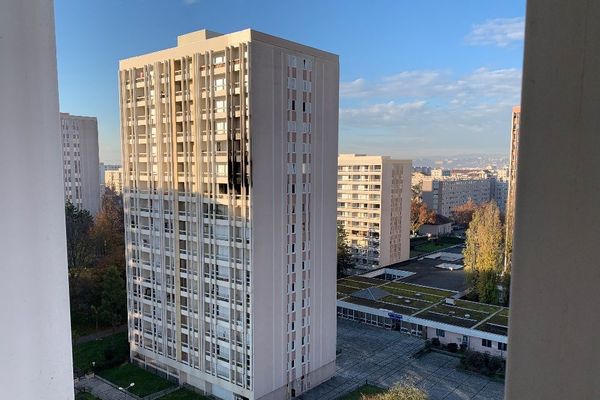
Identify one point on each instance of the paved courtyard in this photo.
(383, 358)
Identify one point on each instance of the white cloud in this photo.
(419, 113)
(406, 83)
(497, 32)
(190, 2)
(481, 83)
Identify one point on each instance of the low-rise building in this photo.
(422, 297)
(440, 226)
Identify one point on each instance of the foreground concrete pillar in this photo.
(554, 341)
(35, 338)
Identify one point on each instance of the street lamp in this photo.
(132, 384)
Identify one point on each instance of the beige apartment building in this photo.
(229, 153)
(113, 179)
(80, 161)
(374, 194)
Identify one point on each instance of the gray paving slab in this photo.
(384, 358)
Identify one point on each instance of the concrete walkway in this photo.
(102, 390)
(384, 358)
(101, 334)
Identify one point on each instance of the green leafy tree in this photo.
(113, 307)
(483, 253)
(79, 223)
(344, 258)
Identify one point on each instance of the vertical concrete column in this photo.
(35, 339)
(554, 341)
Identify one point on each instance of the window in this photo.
(292, 61)
(219, 60)
(307, 86)
(291, 83)
(502, 346)
(440, 333)
(486, 343)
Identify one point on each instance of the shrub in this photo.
(427, 344)
(452, 347)
(482, 363)
(495, 365)
(463, 347)
(435, 342)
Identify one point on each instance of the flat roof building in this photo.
(374, 194)
(113, 179)
(443, 194)
(80, 161)
(229, 163)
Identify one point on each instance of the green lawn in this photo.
(86, 353)
(411, 294)
(430, 247)
(356, 283)
(471, 305)
(419, 289)
(363, 390)
(183, 394)
(85, 396)
(145, 382)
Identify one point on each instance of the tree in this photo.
(483, 252)
(344, 258)
(109, 231)
(113, 307)
(463, 214)
(399, 392)
(420, 214)
(79, 223)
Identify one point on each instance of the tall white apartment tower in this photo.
(80, 161)
(229, 167)
(374, 208)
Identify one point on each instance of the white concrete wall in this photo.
(555, 296)
(268, 90)
(35, 339)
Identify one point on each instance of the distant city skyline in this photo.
(443, 84)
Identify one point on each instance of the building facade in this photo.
(80, 161)
(374, 194)
(512, 186)
(113, 179)
(229, 151)
(443, 194)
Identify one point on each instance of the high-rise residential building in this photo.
(374, 194)
(512, 179)
(113, 178)
(80, 161)
(443, 194)
(229, 163)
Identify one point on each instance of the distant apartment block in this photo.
(113, 179)
(499, 192)
(229, 167)
(80, 161)
(444, 193)
(374, 195)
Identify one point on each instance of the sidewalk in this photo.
(101, 334)
(104, 391)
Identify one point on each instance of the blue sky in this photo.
(418, 78)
